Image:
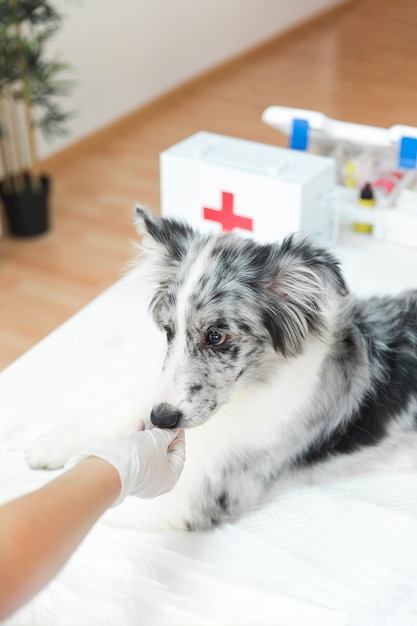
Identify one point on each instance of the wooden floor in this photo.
(360, 66)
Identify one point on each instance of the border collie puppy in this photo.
(278, 374)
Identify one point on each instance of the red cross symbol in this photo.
(225, 215)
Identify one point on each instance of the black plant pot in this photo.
(27, 206)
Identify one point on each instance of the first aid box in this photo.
(222, 183)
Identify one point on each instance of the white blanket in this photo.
(342, 553)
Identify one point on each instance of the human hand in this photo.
(149, 462)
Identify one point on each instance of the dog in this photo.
(278, 374)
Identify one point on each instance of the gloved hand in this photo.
(149, 462)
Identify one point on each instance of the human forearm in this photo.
(39, 531)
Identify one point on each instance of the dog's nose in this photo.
(165, 416)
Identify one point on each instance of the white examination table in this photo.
(341, 553)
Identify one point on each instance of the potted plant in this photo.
(28, 90)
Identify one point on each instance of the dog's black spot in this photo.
(349, 343)
(271, 323)
(225, 254)
(268, 480)
(195, 351)
(367, 427)
(221, 323)
(235, 351)
(260, 258)
(204, 300)
(228, 350)
(348, 351)
(244, 327)
(213, 406)
(364, 430)
(252, 352)
(223, 501)
(195, 389)
(394, 363)
(348, 354)
(217, 297)
(203, 282)
(170, 333)
(240, 374)
(170, 299)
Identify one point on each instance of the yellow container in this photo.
(366, 200)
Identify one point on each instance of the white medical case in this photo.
(223, 183)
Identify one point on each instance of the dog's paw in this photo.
(52, 450)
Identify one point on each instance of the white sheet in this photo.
(341, 553)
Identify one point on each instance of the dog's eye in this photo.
(215, 337)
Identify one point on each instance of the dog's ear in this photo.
(301, 258)
(165, 236)
(164, 242)
(301, 279)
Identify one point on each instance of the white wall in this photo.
(126, 53)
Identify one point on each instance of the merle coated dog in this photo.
(276, 372)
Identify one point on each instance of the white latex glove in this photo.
(149, 462)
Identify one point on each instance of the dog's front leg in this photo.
(52, 449)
